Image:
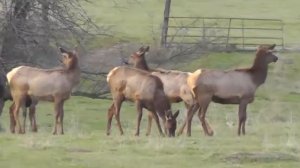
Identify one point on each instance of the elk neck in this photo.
(259, 70)
(73, 71)
(141, 64)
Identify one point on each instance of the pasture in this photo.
(272, 129)
(272, 138)
(139, 21)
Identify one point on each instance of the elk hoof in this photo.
(21, 132)
(179, 133)
(34, 130)
(210, 133)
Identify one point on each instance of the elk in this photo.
(5, 95)
(236, 86)
(53, 85)
(146, 91)
(175, 83)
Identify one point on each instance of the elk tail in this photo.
(192, 81)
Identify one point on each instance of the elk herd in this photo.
(151, 89)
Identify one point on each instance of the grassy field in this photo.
(139, 21)
(272, 140)
(273, 137)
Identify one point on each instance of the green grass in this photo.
(272, 140)
(140, 21)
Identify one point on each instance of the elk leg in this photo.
(18, 126)
(61, 117)
(184, 123)
(242, 117)
(12, 119)
(191, 111)
(118, 104)
(24, 112)
(202, 114)
(162, 115)
(110, 114)
(164, 122)
(149, 123)
(32, 118)
(157, 123)
(243, 125)
(139, 117)
(56, 116)
(189, 120)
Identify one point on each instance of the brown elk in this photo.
(6, 95)
(175, 83)
(231, 87)
(54, 85)
(146, 91)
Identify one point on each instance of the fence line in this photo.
(221, 31)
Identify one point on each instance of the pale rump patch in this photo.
(111, 73)
(11, 73)
(192, 80)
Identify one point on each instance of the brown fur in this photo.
(54, 85)
(144, 89)
(232, 87)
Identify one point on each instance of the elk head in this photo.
(265, 54)
(171, 123)
(138, 56)
(69, 59)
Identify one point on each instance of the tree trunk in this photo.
(12, 36)
(45, 23)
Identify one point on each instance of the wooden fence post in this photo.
(228, 33)
(164, 32)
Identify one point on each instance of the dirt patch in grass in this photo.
(78, 150)
(260, 157)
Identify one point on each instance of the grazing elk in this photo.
(231, 87)
(146, 91)
(54, 85)
(175, 83)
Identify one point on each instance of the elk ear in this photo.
(176, 114)
(62, 50)
(147, 49)
(75, 50)
(272, 47)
